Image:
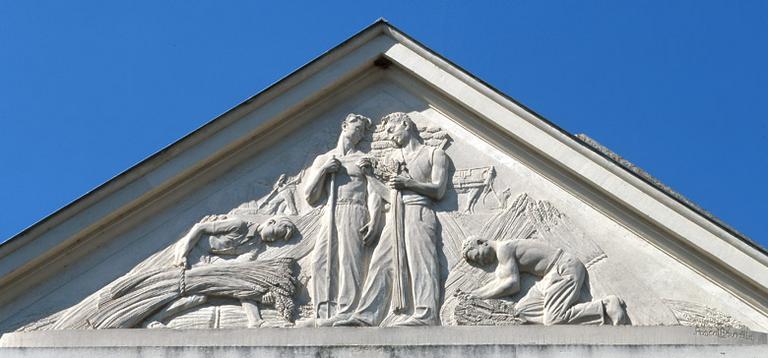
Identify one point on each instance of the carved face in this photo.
(276, 228)
(398, 131)
(354, 128)
(478, 252)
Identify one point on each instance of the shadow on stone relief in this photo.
(381, 230)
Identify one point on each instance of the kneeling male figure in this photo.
(552, 300)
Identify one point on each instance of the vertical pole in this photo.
(331, 240)
(398, 290)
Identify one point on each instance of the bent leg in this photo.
(563, 292)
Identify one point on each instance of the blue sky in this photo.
(680, 88)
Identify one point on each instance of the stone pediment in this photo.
(441, 202)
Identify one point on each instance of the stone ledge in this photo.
(453, 351)
(380, 337)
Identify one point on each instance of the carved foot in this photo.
(330, 322)
(411, 322)
(351, 322)
(325, 322)
(256, 324)
(614, 309)
(156, 324)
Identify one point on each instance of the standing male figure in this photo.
(404, 265)
(352, 215)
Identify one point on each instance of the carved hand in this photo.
(366, 234)
(366, 165)
(332, 165)
(401, 182)
(180, 262)
(477, 293)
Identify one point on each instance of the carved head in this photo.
(478, 252)
(400, 128)
(276, 228)
(355, 127)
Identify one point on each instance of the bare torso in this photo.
(532, 257)
(350, 181)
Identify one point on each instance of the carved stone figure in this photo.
(403, 277)
(230, 239)
(235, 271)
(221, 266)
(350, 221)
(477, 183)
(554, 299)
(280, 199)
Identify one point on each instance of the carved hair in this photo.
(471, 244)
(285, 223)
(403, 117)
(368, 122)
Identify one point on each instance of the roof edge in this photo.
(658, 184)
(381, 25)
(695, 208)
(125, 177)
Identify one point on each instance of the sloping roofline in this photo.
(157, 155)
(597, 148)
(381, 26)
(586, 142)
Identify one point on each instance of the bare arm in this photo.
(370, 229)
(316, 183)
(209, 225)
(377, 186)
(434, 189)
(507, 280)
(188, 241)
(374, 184)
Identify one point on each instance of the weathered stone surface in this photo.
(377, 336)
(356, 194)
(522, 351)
(529, 341)
(373, 243)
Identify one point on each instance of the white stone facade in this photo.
(289, 212)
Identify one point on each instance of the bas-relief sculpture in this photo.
(403, 283)
(189, 273)
(380, 230)
(553, 299)
(350, 220)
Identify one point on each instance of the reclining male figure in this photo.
(229, 239)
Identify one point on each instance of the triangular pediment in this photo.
(510, 175)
